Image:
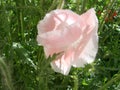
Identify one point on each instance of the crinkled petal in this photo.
(88, 45)
(63, 64)
(59, 40)
(86, 54)
(54, 19)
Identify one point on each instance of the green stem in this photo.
(61, 4)
(117, 78)
(111, 3)
(6, 74)
(78, 6)
(84, 2)
(21, 23)
(75, 82)
(41, 9)
(41, 3)
(54, 4)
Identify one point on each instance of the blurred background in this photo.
(23, 65)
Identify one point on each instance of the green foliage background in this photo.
(23, 65)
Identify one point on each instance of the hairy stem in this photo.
(117, 78)
(61, 4)
(6, 74)
(84, 2)
(111, 3)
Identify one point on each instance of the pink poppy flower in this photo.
(73, 36)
